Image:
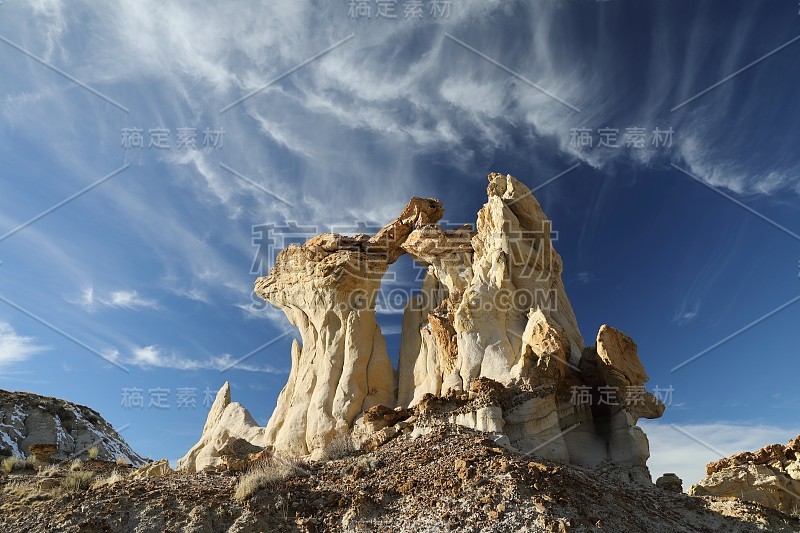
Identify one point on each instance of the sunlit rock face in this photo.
(490, 341)
(493, 307)
(227, 422)
(769, 476)
(327, 288)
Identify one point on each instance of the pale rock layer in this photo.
(157, 469)
(469, 329)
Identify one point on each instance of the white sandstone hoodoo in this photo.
(490, 342)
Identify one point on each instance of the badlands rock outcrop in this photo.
(53, 429)
(489, 342)
(670, 482)
(327, 288)
(228, 428)
(157, 469)
(770, 477)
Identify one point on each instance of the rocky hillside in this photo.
(68, 429)
(451, 479)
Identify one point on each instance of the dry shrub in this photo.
(77, 464)
(25, 462)
(46, 470)
(121, 461)
(77, 480)
(35, 463)
(115, 477)
(9, 463)
(21, 482)
(342, 445)
(269, 472)
(93, 452)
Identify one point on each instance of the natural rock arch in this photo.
(327, 288)
(491, 341)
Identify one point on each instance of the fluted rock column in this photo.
(327, 289)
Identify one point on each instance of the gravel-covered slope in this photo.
(452, 479)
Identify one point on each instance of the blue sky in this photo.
(678, 245)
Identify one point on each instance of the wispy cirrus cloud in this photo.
(119, 299)
(433, 97)
(704, 278)
(684, 316)
(15, 348)
(154, 356)
(260, 310)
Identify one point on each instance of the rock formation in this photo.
(53, 429)
(229, 426)
(157, 469)
(670, 482)
(327, 288)
(770, 477)
(490, 342)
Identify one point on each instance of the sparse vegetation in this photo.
(15, 463)
(94, 451)
(21, 482)
(26, 493)
(269, 473)
(114, 477)
(9, 463)
(121, 461)
(342, 445)
(77, 464)
(795, 512)
(77, 480)
(46, 470)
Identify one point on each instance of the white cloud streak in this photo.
(16, 348)
(119, 299)
(156, 357)
(399, 81)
